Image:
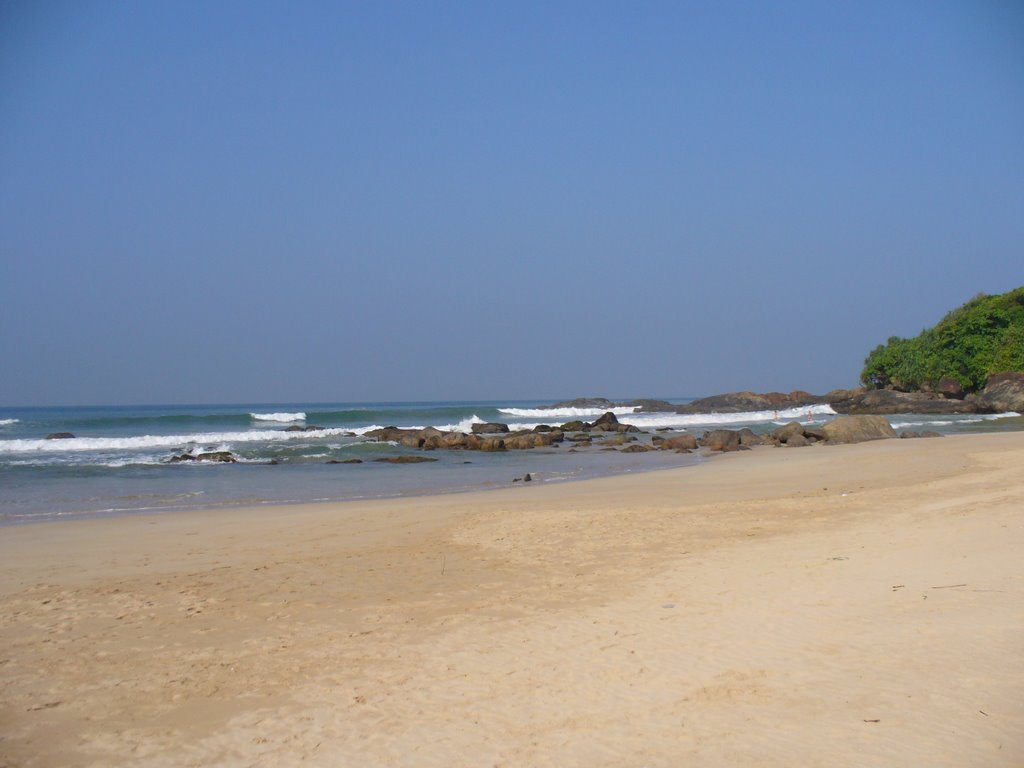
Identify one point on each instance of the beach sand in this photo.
(857, 605)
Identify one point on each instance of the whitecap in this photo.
(284, 418)
(8, 422)
(566, 413)
(158, 441)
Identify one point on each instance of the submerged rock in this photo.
(224, 457)
(59, 436)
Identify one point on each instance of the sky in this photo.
(329, 202)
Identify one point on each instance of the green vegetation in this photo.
(984, 336)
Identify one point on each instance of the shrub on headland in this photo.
(984, 336)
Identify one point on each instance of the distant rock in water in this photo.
(59, 436)
(737, 402)
(224, 457)
(488, 428)
(888, 401)
(404, 459)
(584, 402)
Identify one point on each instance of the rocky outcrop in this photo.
(735, 402)
(857, 429)
(1003, 392)
(888, 401)
(679, 443)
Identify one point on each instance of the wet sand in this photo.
(824, 606)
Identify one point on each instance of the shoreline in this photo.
(772, 607)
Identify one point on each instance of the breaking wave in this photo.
(950, 421)
(160, 441)
(566, 413)
(8, 422)
(285, 418)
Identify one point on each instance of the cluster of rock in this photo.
(1003, 392)
(846, 429)
(222, 457)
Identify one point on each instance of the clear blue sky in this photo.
(225, 202)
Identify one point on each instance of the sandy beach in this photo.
(829, 606)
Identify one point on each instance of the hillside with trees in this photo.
(983, 337)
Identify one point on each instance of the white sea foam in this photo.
(160, 441)
(565, 413)
(8, 422)
(285, 418)
(806, 414)
(466, 425)
(949, 422)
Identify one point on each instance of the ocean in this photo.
(119, 460)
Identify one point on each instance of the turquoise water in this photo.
(118, 461)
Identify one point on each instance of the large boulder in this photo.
(858, 429)
(679, 443)
(720, 440)
(1003, 392)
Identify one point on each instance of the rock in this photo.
(858, 429)
(797, 440)
(574, 426)
(404, 459)
(411, 441)
(59, 436)
(491, 444)
(679, 442)
(909, 434)
(529, 440)
(885, 401)
(585, 402)
(608, 419)
(527, 478)
(783, 433)
(453, 440)
(748, 437)
(543, 428)
(581, 438)
(489, 428)
(734, 402)
(950, 388)
(1003, 392)
(636, 448)
(929, 433)
(720, 440)
(224, 457)
(345, 461)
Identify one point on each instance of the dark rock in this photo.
(223, 457)
(543, 428)
(527, 478)
(575, 426)
(748, 437)
(529, 440)
(784, 433)
(857, 429)
(489, 428)
(345, 461)
(1003, 392)
(636, 448)
(720, 440)
(797, 440)
(295, 428)
(929, 433)
(909, 434)
(581, 438)
(734, 402)
(404, 459)
(888, 401)
(679, 442)
(950, 388)
(59, 436)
